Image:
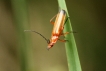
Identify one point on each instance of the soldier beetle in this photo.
(57, 29)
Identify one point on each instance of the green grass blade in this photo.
(20, 12)
(71, 49)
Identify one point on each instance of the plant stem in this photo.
(71, 49)
(21, 19)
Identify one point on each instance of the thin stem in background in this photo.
(22, 23)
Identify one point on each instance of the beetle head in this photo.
(50, 45)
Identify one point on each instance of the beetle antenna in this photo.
(48, 41)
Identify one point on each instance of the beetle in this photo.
(57, 29)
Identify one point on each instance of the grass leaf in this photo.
(21, 22)
(71, 49)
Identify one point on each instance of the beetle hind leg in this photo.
(66, 20)
(51, 21)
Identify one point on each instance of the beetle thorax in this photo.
(52, 41)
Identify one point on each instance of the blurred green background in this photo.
(88, 20)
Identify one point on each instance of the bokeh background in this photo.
(88, 20)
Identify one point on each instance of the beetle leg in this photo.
(68, 33)
(51, 21)
(65, 33)
(62, 40)
(66, 20)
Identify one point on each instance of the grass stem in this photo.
(22, 23)
(71, 49)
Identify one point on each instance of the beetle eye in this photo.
(51, 45)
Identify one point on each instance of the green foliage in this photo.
(21, 23)
(71, 49)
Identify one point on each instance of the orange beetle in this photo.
(57, 29)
